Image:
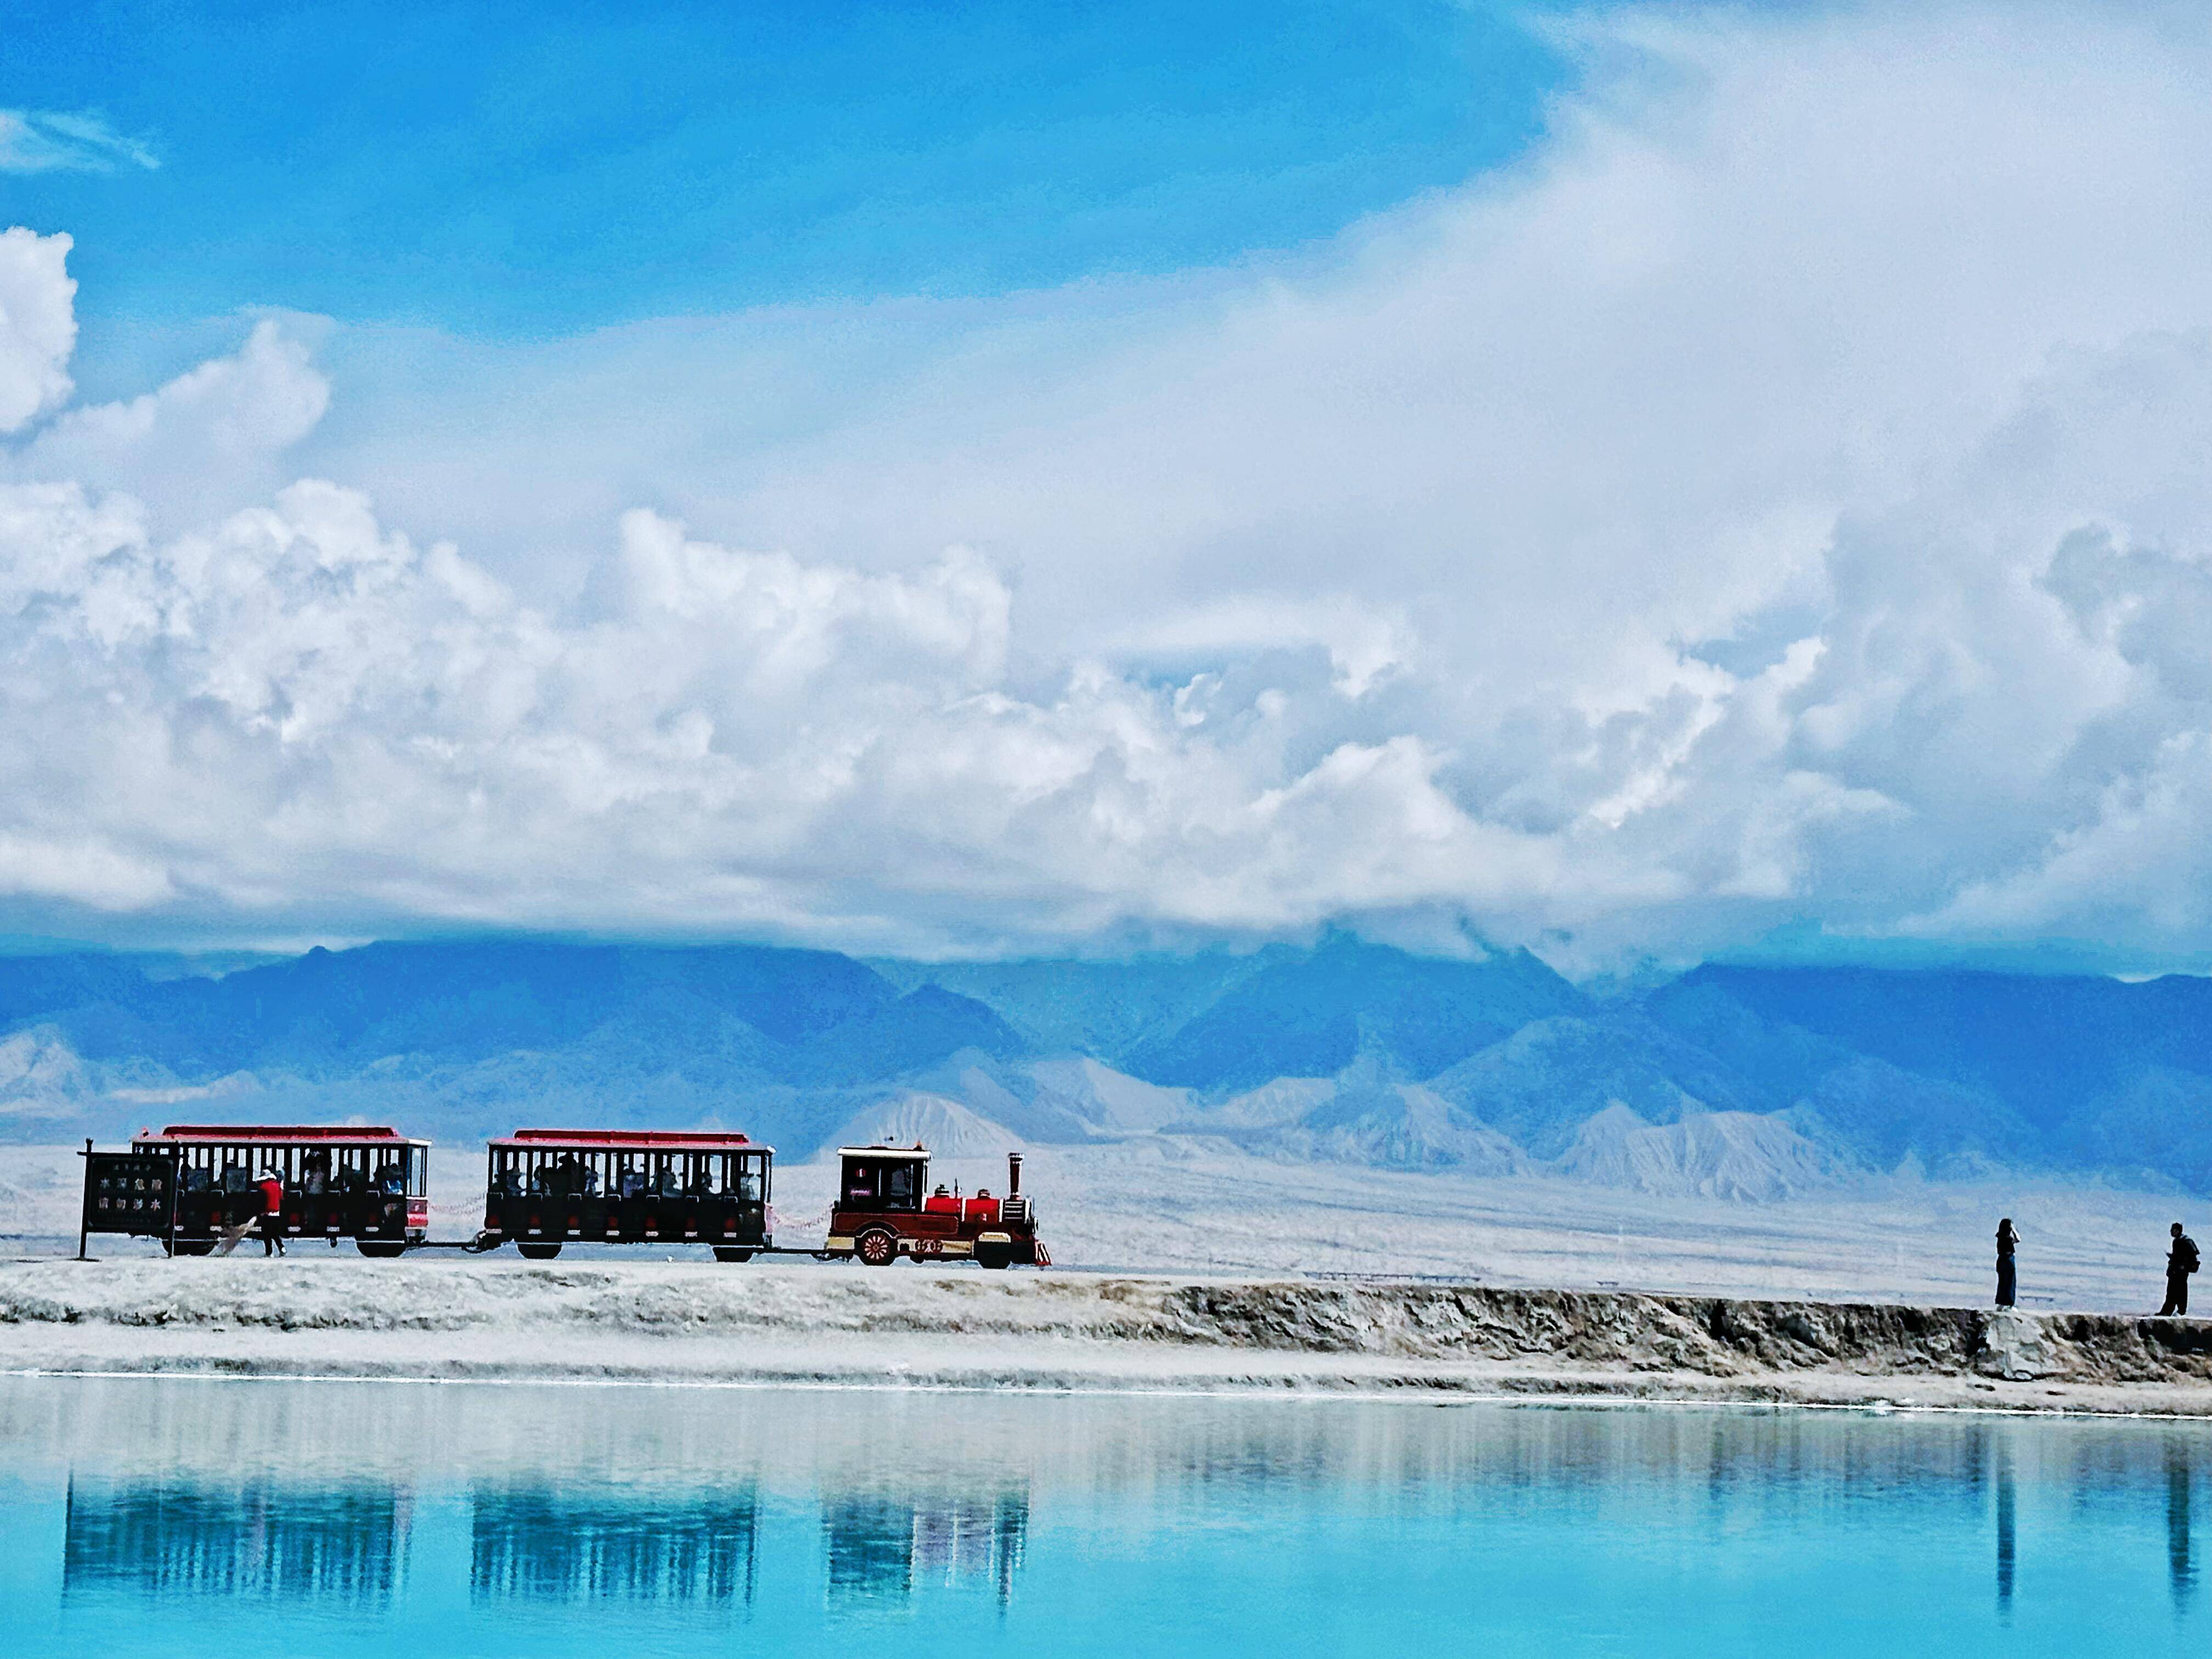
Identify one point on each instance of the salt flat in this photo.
(1168, 1205)
(1184, 1266)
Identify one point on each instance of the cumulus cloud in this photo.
(299, 710)
(212, 439)
(37, 324)
(1781, 496)
(54, 141)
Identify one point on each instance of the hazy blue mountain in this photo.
(469, 1034)
(1106, 1010)
(1748, 1080)
(2042, 1044)
(1544, 1081)
(1309, 1013)
(2005, 1069)
(1372, 1117)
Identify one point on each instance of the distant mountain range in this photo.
(1737, 1081)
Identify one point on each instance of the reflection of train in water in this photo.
(345, 1547)
(192, 1184)
(540, 1543)
(882, 1546)
(345, 1544)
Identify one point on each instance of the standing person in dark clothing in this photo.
(2180, 1261)
(2008, 1282)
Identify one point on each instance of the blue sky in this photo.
(1643, 480)
(523, 170)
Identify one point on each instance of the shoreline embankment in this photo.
(764, 1324)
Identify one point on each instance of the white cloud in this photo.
(211, 439)
(1781, 496)
(54, 141)
(299, 709)
(37, 324)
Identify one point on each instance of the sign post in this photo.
(133, 1192)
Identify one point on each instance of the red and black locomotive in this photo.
(885, 1208)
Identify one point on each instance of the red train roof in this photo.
(657, 1140)
(321, 1133)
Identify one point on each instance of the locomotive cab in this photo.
(886, 1208)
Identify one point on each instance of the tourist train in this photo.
(193, 1187)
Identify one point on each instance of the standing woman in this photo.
(2008, 1285)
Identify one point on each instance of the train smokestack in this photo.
(1013, 1174)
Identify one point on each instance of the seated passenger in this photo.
(195, 1180)
(388, 1181)
(633, 1183)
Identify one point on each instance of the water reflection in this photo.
(346, 1546)
(444, 1520)
(881, 1546)
(533, 1543)
(2180, 1562)
(2006, 1545)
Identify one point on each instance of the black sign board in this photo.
(130, 1192)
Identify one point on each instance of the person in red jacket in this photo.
(272, 1214)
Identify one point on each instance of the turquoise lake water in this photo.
(185, 1518)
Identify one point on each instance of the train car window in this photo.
(419, 1171)
(903, 1185)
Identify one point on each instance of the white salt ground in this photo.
(1288, 1297)
(1167, 1205)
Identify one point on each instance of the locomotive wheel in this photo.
(539, 1252)
(995, 1255)
(377, 1246)
(877, 1248)
(731, 1253)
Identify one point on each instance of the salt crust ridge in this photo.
(682, 1322)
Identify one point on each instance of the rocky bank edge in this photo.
(705, 1323)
